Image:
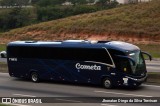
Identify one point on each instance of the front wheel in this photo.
(107, 83)
(34, 77)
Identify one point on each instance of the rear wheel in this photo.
(107, 83)
(2, 56)
(34, 77)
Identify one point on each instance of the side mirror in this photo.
(150, 57)
(126, 57)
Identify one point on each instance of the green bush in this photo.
(49, 13)
(81, 9)
(44, 10)
(14, 18)
(57, 12)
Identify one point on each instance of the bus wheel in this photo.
(107, 83)
(2, 56)
(34, 77)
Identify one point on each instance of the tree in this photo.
(14, 18)
(90, 1)
(34, 1)
(21, 3)
(75, 2)
(44, 3)
(107, 3)
(11, 3)
(7, 2)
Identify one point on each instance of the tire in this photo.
(34, 77)
(2, 56)
(107, 83)
(136, 86)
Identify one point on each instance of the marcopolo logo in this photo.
(87, 67)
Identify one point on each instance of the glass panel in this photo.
(126, 65)
(78, 54)
(140, 66)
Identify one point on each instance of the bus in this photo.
(110, 63)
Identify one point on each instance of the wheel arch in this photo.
(105, 76)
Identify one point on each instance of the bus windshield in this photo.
(139, 67)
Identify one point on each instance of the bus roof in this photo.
(118, 45)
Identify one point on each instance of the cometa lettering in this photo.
(87, 67)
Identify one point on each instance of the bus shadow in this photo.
(130, 88)
(87, 85)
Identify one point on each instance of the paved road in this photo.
(13, 87)
(3, 60)
(152, 66)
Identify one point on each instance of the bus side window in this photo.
(56, 53)
(82, 54)
(122, 64)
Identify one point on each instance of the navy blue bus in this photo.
(96, 62)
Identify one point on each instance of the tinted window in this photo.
(122, 64)
(80, 54)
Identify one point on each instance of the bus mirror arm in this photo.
(150, 57)
(129, 58)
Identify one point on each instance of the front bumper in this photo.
(143, 79)
(130, 81)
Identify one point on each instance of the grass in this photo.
(4, 104)
(154, 50)
(140, 20)
(2, 47)
(5, 10)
